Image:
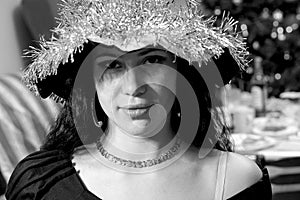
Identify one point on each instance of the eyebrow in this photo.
(148, 50)
(141, 53)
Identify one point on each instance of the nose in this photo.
(133, 84)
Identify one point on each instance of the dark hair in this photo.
(64, 135)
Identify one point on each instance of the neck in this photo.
(121, 144)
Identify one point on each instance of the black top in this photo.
(51, 175)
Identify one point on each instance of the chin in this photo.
(137, 128)
(145, 129)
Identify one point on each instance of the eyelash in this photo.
(113, 64)
(158, 59)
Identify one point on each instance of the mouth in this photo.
(136, 111)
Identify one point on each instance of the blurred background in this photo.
(262, 104)
(24, 118)
(272, 31)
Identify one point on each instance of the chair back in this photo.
(285, 178)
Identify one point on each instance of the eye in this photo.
(114, 65)
(154, 59)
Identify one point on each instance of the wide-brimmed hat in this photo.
(179, 26)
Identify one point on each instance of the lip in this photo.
(136, 111)
(137, 106)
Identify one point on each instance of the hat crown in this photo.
(177, 25)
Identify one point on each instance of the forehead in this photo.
(104, 50)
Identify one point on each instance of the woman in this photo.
(140, 120)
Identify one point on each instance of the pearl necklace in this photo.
(139, 164)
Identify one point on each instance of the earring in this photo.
(99, 124)
(174, 61)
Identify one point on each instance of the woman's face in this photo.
(136, 89)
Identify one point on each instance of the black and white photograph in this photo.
(150, 100)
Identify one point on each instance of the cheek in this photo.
(167, 79)
(107, 95)
(165, 95)
(167, 88)
(108, 88)
(104, 103)
(164, 84)
(166, 98)
(168, 95)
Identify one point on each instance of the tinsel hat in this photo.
(177, 25)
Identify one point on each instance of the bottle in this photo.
(258, 88)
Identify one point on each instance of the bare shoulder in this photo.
(241, 173)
